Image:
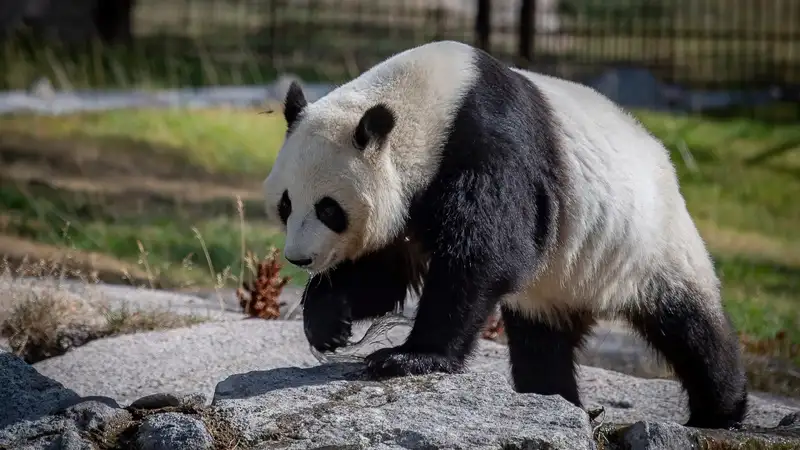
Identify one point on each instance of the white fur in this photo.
(623, 220)
(423, 86)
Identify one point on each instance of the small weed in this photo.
(259, 298)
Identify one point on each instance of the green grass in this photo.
(747, 208)
(743, 194)
(218, 140)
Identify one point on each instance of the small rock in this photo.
(94, 398)
(95, 416)
(162, 400)
(659, 436)
(173, 431)
(25, 394)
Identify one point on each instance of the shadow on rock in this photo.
(257, 383)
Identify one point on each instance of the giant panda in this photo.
(444, 172)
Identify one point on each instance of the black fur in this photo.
(373, 285)
(376, 123)
(331, 213)
(543, 354)
(294, 104)
(702, 349)
(485, 218)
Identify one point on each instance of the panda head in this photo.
(333, 188)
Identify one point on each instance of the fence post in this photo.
(527, 30)
(483, 26)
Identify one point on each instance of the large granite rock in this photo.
(335, 406)
(194, 360)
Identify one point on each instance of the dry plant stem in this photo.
(260, 298)
(210, 266)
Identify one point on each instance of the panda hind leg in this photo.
(688, 327)
(543, 353)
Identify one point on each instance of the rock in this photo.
(66, 428)
(179, 361)
(163, 400)
(659, 436)
(336, 406)
(648, 435)
(173, 431)
(194, 360)
(628, 399)
(95, 416)
(35, 433)
(25, 394)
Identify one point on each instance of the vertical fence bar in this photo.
(483, 24)
(527, 28)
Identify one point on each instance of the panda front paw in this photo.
(328, 334)
(400, 361)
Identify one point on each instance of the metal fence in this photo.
(744, 45)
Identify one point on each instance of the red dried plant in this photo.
(260, 299)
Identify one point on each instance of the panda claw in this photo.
(397, 361)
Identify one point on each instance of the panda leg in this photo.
(688, 326)
(542, 353)
(369, 287)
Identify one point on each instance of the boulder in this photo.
(337, 406)
(194, 360)
(26, 394)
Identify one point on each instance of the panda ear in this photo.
(375, 125)
(294, 103)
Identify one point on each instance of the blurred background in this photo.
(133, 144)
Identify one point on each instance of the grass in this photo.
(45, 320)
(156, 190)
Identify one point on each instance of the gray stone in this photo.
(95, 416)
(93, 398)
(194, 360)
(173, 431)
(336, 406)
(35, 434)
(164, 400)
(62, 429)
(71, 440)
(24, 393)
(659, 436)
(179, 361)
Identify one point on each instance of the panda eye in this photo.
(284, 207)
(330, 213)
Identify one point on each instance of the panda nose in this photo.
(300, 262)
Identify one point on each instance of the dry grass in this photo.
(41, 319)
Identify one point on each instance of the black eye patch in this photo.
(330, 213)
(284, 207)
